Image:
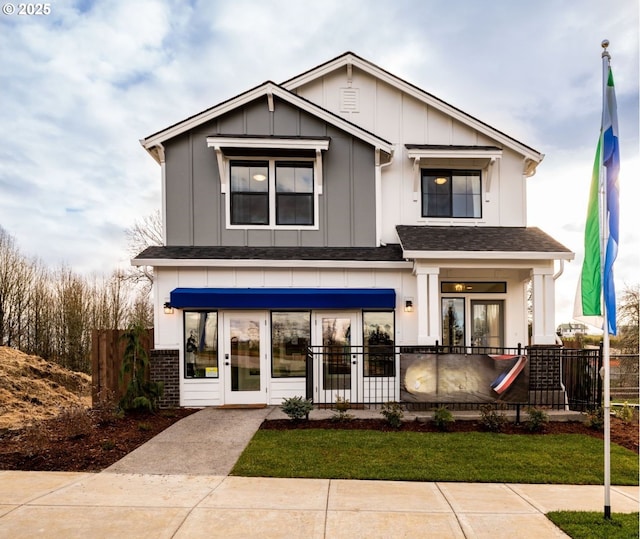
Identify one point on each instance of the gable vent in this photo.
(349, 100)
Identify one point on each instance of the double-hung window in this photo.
(451, 193)
(294, 193)
(272, 192)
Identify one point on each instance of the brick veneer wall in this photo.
(165, 368)
(544, 367)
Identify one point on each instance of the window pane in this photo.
(294, 178)
(201, 344)
(290, 338)
(379, 340)
(249, 209)
(453, 321)
(249, 177)
(294, 209)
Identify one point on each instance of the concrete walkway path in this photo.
(111, 505)
(207, 442)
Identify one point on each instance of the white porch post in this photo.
(428, 305)
(543, 330)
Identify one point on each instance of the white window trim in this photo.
(272, 194)
(269, 143)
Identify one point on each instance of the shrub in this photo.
(625, 413)
(595, 419)
(443, 418)
(341, 409)
(76, 420)
(491, 419)
(537, 419)
(297, 408)
(140, 394)
(392, 412)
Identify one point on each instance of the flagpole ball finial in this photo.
(605, 43)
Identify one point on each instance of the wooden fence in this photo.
(107, 349)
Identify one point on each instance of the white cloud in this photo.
(82, 86)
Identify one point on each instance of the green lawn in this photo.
(412, 456)
(590, 525)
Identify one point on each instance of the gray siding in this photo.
(195, 206)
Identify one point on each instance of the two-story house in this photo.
(343, 207)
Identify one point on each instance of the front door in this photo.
(245, 358)
(337, 371)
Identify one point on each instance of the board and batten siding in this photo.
(195, 207)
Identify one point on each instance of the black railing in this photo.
(556, 378)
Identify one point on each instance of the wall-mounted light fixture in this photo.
(168, 309)
(408, 305)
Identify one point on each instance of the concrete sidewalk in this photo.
(106, 505)
(177, 485)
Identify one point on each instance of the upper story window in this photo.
(270, 182)
(451, 193)
(272, 192)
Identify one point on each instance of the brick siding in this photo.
(165, 368)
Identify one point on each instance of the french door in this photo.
(337, 371)
(245, 358)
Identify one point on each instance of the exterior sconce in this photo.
(168, 309)
(408, 305)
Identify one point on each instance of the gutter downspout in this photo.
(559, 341)
(378, 195)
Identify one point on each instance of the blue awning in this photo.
(283, 298)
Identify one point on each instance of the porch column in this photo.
(543, 330)
(428, 304)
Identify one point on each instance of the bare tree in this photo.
(14, 284)
(629, 318)
(144, 233)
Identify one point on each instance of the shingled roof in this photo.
(388, 253)
(479, 239)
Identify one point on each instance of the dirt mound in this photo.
(32, 389)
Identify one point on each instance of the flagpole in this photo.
(606, 58)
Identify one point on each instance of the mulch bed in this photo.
(92, 441)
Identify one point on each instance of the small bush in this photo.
(443, 418)
(537, 419)
(625, 413)
(77, 421)
(491, 419)
(392, 412)
(341, 409)
(145, 427)
(297, 408)
(108, 445)
(595, 419)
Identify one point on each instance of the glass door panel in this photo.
(453, 321)
(336, 353)
(487, 323)
(337, 333)
(244, 358)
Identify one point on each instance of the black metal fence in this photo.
(556, 377)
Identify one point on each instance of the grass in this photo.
(411, 456)
(592, 525)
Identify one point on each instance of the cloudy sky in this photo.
(81, 85)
